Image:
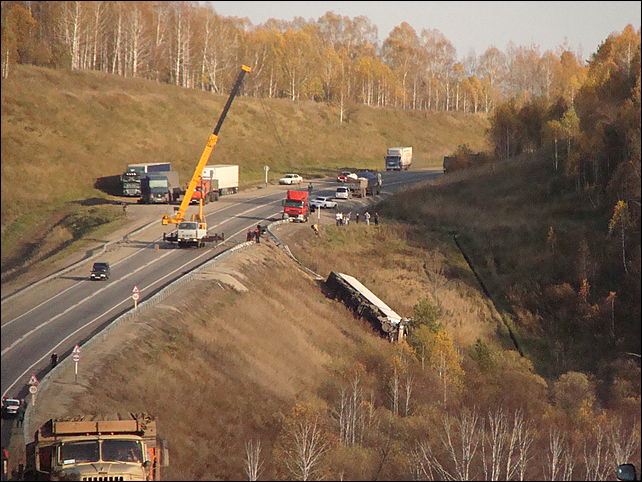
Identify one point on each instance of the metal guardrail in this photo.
(161, 295)
(129, 315)
(76, 264)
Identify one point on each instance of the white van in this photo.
(342, 193)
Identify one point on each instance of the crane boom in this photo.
(209, 147)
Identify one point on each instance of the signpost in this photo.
(33, 388)
(75, 356)
(135, 296)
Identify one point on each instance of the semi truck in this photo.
(131, 178)
(161, 187)
(97, 448)
(296, 207)
(367, 183)
(227, 176)
(398, 158)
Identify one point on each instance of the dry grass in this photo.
(63, 130)
(402, 265)
(218, 367)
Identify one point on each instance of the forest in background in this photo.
(438, 409)
(334, 59)
(591, 302)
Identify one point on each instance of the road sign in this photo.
(33, 380)
(76, 349)
(135, 296)
(33, 389)
(76, 357)
(266, 168)
(135, 290)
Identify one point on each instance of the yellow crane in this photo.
(194, 232)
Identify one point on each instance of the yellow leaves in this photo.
(574, 393)
(584, 291)
(620, 216)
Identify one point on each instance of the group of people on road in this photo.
(255, 234)
(343, 219)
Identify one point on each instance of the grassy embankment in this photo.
(503, 214)
(219, 368)
(61, 131)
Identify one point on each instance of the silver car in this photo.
(323, 202)
(291, 179)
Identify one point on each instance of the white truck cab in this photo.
(191, 233)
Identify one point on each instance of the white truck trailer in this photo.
(227, 176)
(398, 158)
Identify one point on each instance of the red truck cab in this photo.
(296, 207)
(206, 191)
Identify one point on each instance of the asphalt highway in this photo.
(69, 309)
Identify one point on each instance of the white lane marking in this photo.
(99, 316)
(29, 333)
(84, 300)
(121, 261)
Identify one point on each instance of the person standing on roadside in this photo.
(21, 415)
(5, 464)
(257, 233)
(357, 217)
(376, 218)
(338, 218)
(366, 216)
(249, 235)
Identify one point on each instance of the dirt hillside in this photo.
(219, 362)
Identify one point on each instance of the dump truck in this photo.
(160, 187)
(131, 178)
(97, 448)
(296, 207)
(367, 183)
(227, 176)
(207, 190)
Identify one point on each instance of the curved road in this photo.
(69, 309)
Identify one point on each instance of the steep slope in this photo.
(61, 131)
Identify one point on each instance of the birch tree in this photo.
(253, 462)
(303, 443)
(459, 441)
(621, 219)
